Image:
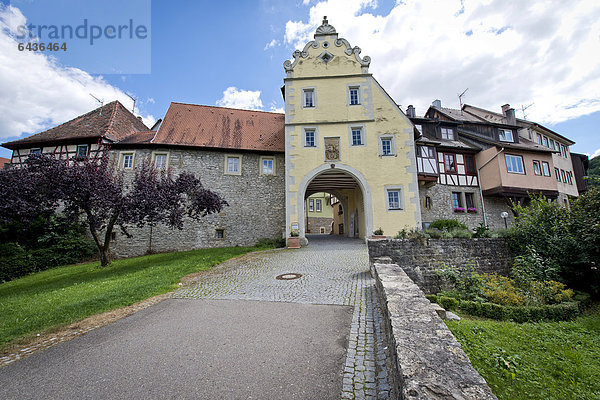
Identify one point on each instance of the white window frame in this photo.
(318, 205)
(448, 132)
(503, 134)
(515, 157)
(233, 156)
(546, 142)
(363, 136)
(304, 136)
(314, 97)
(392, 140)
(87, 151)
(161, 153)
(122, 158)
(311, 205)
(350, 89)
(539, 168)
(261, 165)
(538, 139)
(546, 168)
(394, 188)
(551, 142)
(557, 173)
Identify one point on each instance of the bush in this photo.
(266, 242)
(461, 233)
(14, 262)
(556, 312)
(378, 231)
(481, 231)
(447, 224)
(431, 297)
(493, 311)
(448, 303)
(501, 290)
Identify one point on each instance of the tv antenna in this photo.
(460, 96)
(99, 101)
(134, 100)
(523, 108)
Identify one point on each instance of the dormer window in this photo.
(447, 133)
(505, 135)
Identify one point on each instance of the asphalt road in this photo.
(195, 349)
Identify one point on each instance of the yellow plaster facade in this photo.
(381, 161)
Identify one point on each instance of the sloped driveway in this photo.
(236, 332)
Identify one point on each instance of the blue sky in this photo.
(231, 53)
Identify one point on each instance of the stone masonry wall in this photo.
(494, 206)
(429, 363)
(419, 259)
(316, 223)
(442, 208)
(256, 205)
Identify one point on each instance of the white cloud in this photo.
(271, 44)
(37, 92)
(239, 98)
(505, 52)
(596, 154)
(150, 100)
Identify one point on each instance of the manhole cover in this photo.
(287, 277)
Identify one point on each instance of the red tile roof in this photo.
(3, 161)
(111, 121)
(138, 138)
(224, 128)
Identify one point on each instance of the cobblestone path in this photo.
(334, 271)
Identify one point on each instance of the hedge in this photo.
(554, 312)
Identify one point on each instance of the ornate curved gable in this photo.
(327, 55)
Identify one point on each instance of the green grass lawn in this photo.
(60, 296)
(555, 360)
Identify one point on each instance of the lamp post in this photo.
(504, 216)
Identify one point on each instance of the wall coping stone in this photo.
(430, 362)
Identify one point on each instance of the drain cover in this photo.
(287, 277)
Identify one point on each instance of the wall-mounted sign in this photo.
(295, 226)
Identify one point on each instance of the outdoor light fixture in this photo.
(504, 216)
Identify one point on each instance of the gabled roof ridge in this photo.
(113, 116)
(226, 108)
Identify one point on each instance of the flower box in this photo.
(459, 209)
(293, 242)
(471, 210)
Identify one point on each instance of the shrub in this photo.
(266, 242)
(431, 297)
(448, 303)
(471, 307)
(433, 233)
(378, 231)
(481, 231)
(447, 224)
(493, 311)
(500, 290)
(14, 261)
(461, 233)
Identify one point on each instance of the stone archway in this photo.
(337, 179)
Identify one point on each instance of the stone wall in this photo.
(256, 205)
(442, 208)
(420, 258)
(316, 223)
(494, 206)
(429, 363)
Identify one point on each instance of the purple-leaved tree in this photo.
(95, 190)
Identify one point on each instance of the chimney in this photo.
(509, 113)
(410, 111)
(437, 103)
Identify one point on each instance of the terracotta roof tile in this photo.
(138, 138)
(111, 121)
(219, 127)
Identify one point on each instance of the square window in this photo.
(536, 168)
(386, 147)
(233, 165)
(393, 200)
(354, 99)
(450, 162)
(82, 151)
(308, 98)
(318, 205)
(128, 161)
(267, 166)
(219, 233)
(545, 168)
(447, 133)
(357, 137)
(514, 164)
(505, 135)
(160, 161)
(309, 138)
(311, 205)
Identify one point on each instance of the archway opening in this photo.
(343, 196)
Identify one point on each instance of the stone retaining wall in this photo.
(421, 258)
(429, 363)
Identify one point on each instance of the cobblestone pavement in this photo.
(334, 271)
